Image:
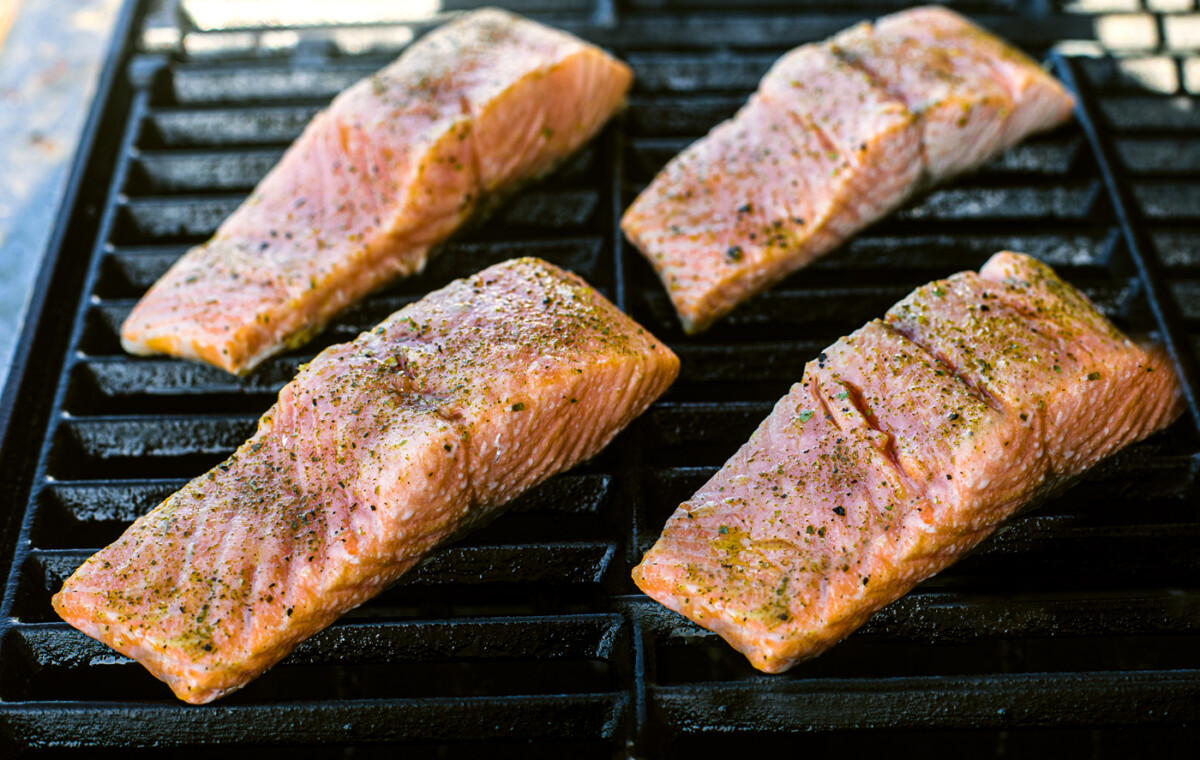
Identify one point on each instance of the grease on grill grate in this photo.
(1080, 616)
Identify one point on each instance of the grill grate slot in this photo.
(961, 702)
(527, 638)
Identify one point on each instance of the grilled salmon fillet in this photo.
(904, 445)
(397, 163)
(839, 134)
(379, 450)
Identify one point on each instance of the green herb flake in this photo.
(806, 415)
(518, 407)
(843, 395)
(1093, 376)
(723, 530)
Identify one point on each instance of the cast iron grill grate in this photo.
(527, 638)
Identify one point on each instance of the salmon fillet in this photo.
(397, 163)
(904, 445)
(873, 115)
(973, 95)
(776, 186)
(378, 451)
(1038, 100)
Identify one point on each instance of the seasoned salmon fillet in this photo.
(1038, 100)
(776, 186)
(397, 163)
(973, 95)
(378, 451)
(872, 116)
(904, 445)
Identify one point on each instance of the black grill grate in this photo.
(527, 638)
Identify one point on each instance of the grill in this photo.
(527, 639)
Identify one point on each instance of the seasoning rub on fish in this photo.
(839, 134)
(378, 451)
(904, 445)
(395, 165)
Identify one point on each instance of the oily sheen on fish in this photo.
(839, 134)
(395, 165)
(378, 451)
(903, 446)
